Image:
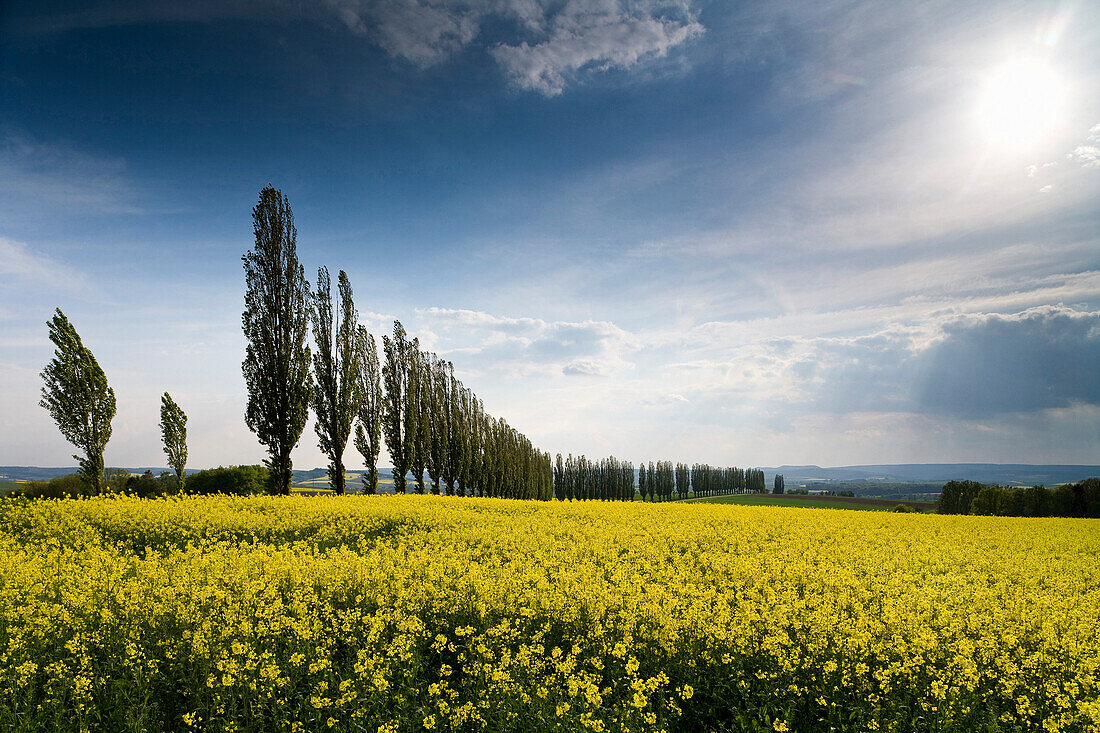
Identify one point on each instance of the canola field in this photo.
(426, 613)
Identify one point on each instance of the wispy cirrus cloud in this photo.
(60, 179)
(19, 262)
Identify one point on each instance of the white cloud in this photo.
(517, 346)
(546, 42)
(590, 34)
(561, 40)
(422, 33)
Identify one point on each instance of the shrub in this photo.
(239, 480)
(62, 487)
(147, 484)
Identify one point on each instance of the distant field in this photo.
(815, 502)
(6, 486)
(352, 479)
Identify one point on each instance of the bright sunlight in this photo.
(1021, 102)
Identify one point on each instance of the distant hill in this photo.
(1008, 474)
(38, 473)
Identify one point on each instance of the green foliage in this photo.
(275, 323)
(148, 485)
(335, 372)
(78, 399)
(439, 424)
(903, 509)
(777, 484)
(957, 496)
(417, 428)
(608, 479)
(173, 431)
(240, 480)
(368, 430)
(115, 479)
(72, 486)
(1081, 499)
(395, 375)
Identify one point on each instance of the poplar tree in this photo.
(395, 375)
(275, 323)
(455, 432)
(368, 430)
(416, 427)
(78, 398)
(173, 430)
(559, 478)
(439, 422)
(335, 372)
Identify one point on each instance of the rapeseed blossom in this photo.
(434, 613)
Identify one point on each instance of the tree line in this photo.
(431, 423)
(576, 478)
(435, 428)
(1081, 499)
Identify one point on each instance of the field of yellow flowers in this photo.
(427, 613)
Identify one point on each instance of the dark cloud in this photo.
(1039, 359)
(971, 367)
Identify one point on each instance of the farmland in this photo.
(812, 501)
(419, 612)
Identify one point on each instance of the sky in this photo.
(749, 234)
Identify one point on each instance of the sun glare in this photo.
(1021, 102)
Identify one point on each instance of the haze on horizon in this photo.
(777, 233)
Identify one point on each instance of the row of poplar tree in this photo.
(431, 423)
(609, 479)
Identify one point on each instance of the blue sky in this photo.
(741, 233)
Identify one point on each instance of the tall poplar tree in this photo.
(416, 426)
(368, 431)
(173, 430)
(78, 398)
(276, 322)
(439, 421)
(395, 375)
(455, 426)
(335, 371)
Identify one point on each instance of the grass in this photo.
(814, 502)
(8, 486)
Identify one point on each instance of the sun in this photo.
(1021, 102)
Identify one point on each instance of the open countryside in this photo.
(414, 612)
(549, 366)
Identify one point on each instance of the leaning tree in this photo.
(368, 431)
(395, 375)
(78, 399)
(173, 430)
